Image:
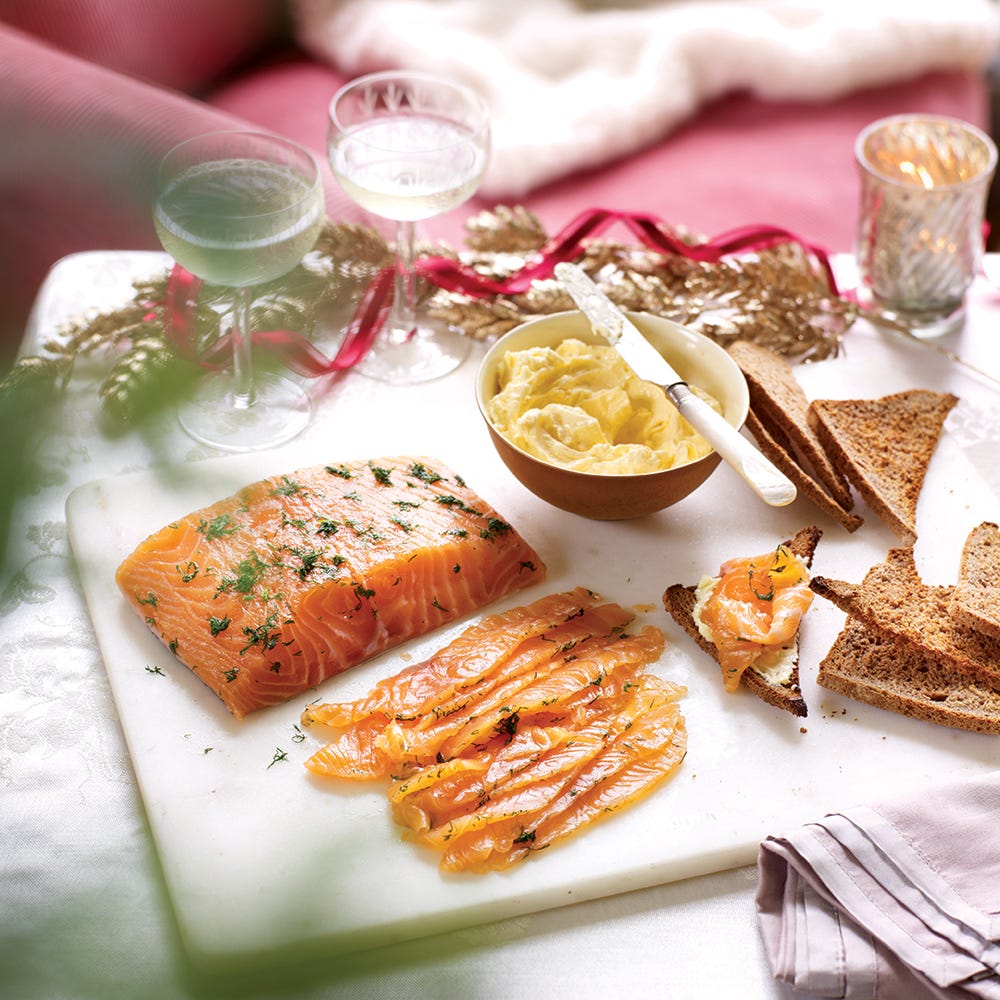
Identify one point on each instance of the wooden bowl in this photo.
(698, 360)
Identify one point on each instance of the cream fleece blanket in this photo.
(576, 84)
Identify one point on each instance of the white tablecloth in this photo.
(84, 912)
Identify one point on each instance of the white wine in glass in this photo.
(238, 209)
(409, 146)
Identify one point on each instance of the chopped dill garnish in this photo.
(249, 572)
(420, 471)
(382, 476)
(449, 500)
(286, 488)
(219, 527)
(265, 635)
(494, 528)
(217, 625)
(309, 560)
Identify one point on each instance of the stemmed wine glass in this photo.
(238, 209)
(407, 146)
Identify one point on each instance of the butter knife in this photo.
(768, 482)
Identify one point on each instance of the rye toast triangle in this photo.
(780, 401)
(893, 600)
(884, 446)
(976, 601)
(890, 674)
(779, 453)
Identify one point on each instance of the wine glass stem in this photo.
(403, 323)
(242, 363)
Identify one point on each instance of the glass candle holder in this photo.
(920, 240)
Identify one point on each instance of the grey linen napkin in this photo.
(899, 900)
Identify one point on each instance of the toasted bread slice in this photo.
(778, 400)
(884, 447)
(778, 453)
(892, 600)
(679, 601)
(976, 601)
(891, 674)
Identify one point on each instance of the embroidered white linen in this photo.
(577, 84)
(889, 902)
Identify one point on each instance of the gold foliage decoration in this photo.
(776, 296)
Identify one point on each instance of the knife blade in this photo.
(763, 477)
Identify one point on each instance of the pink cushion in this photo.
(184, 44)
(741, 161)
(82, 144)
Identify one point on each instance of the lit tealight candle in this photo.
(920, 241)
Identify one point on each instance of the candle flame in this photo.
(918, 171)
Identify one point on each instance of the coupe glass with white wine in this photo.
(406, 147)
(238, 209)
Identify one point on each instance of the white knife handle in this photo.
(768, 482)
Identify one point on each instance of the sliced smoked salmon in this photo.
(526, 728)
(753, 607)
(295, 578)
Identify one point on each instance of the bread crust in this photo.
(778, 400)
(893, 675)
(976, 600)
(893, 600)
(804, 482)
(679, 601)
(884, 447)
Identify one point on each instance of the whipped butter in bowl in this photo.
(580, 430)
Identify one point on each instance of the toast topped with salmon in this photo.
(747, 619)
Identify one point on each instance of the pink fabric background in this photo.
(183, 44)
(86, 115)
(741, 161)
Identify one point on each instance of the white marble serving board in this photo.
(262, 861)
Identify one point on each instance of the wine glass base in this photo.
(280, 411)
(427, 354)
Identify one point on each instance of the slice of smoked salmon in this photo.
(269, 592)
(479, 650)
(425, 703)
(755, 605)
(554, 725)
(629, 767)
(533, 681)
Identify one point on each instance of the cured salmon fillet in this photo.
(295, 578)
(526, 728)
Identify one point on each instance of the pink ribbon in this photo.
(297, 353)
(294, 350)
(569, 243)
